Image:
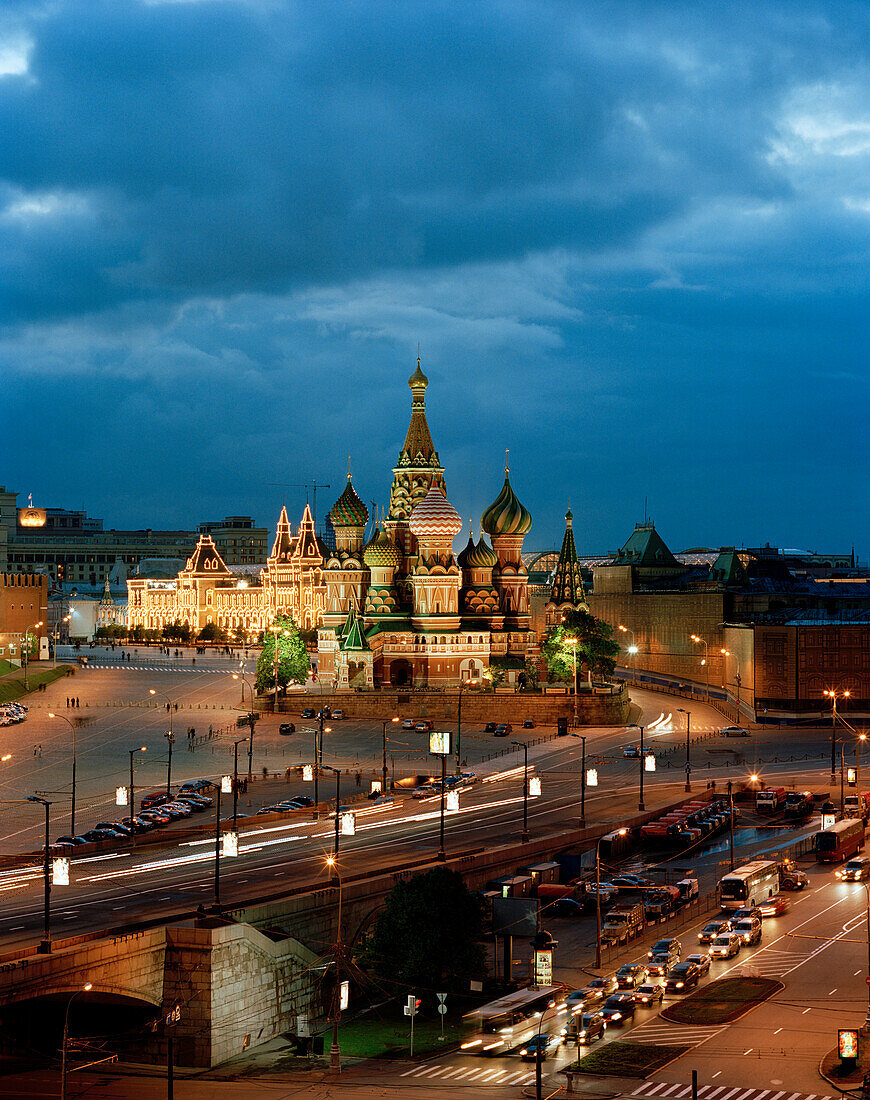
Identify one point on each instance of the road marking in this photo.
(805, 1011)
(716, 1074)
(745, 1052)
(857, 972)
(833, 991)
(778, 1030)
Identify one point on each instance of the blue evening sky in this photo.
(631, 240)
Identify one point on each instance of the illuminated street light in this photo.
(72, 815)
(833, 694)
(132, 794)
(522, 745)
(705, 662)
(632, 650)
(170, 738)
(619, 832)
(44, 948)
(472, 681)
(384, 782)
(86, 988)
(25, 649)
(680, 710)
(335, 1053)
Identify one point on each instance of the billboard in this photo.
(543, 967)
(230, 845)
(847, 1042)
(515, 917)
(439, 742)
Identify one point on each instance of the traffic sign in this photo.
(442, 1009)
(688, 766)
(442, 997)
(867, 980)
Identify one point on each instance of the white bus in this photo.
(512, 1020)
(750, 884)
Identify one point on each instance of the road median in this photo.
(723, 1001)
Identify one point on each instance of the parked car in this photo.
(286, 728)
(308, 712)
(337, 715)
(408, 724)
(303, 799)
(195, 802)
(93, 836)
(628, 882)
(157, 816)
(777, 906)
(194, 786)
(725, 946)
(663, 955)
(565, 907)
(702, 961)
(117, 826)
(682, 977)
(605, 890)
(539, 1046)
(631, 975)
(734, 731)
(140, 824)
(713, 929)
(503, 729)
(586, 1028)
(75, 841)
(528, 724)
(155, 798)
(631, 752)
(174, 811)
(489, 727)
(649, 994)
(618, 1008)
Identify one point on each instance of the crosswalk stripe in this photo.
(761, 1095)
(728, 1095)
(408, 1072)
(512, 1078)
(646, 1089)
(492, 1076)
(529, 1077)
(432, 1072)
(670, 1090)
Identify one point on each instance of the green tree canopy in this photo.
(293, 662)
(596, 649)
(211, 632)
(428, 937)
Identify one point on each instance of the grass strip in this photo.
(623, 1059)
(370, 1037)
(721, 1001)
(14, 688)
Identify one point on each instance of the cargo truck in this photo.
(770, 800)
(623, 923)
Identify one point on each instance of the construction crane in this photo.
(306, 485)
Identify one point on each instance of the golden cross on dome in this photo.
(507, 455)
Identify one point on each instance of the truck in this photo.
(770, 800)
(688, 888)
(798, 805)
(623, 923)
(658, 903)
(858, 805)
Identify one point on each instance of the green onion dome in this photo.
(381, 552)
(506, 516)
(349, 510)
(477, 555)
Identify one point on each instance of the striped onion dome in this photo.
(349, 510)
(381, 552)
(435, 517)
(477, 555)
(506, 516)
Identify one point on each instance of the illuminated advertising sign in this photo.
(451, 802)
(308, 773)
(591, 777)
(543, 968)
(121, 796)
(344, 996)
(376, 786)
(230, 844)
(535, 786)
(226, 784)
(828, 820)
(851, 777)
(60, 871)
(348, 824)
(649, 763)
(847, 1042)
(439, 742)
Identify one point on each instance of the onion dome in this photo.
(349, 510)
(381, 552)
(506, 516)
(477, 555)
(435, 517)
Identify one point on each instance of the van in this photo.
(749, 930)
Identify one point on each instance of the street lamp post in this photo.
(833, 694)
(335, 1053)
(472, 681)
(170, 738)
(582, 780)
(86, 988)
(251, 719)
(44, 947)
(619, 832)
(72, 815)
(25, 649)
(632, 649)
(384, 771)
(525, 748)
(337, 771)
(640, 803)
(705, 662)
(217, 846)
(441, 856)
(132, 794)
(236, 744)
(688, 760)
(731, 823)
(539, 1053)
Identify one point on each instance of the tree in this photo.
(293, 663)
(429, 935)
(596, 649)
(211, 632)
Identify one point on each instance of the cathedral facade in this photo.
(397, 608)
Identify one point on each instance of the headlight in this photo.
(679, 985)
(582, 1033)
(524, 1051)
(616, 1016)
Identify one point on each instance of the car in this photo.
(139, 824)
(855, 870)
(75, 841)
(713, 929)
(576, 1000)
(631, 975)
(286, 728)
(734, 731)
(565, 907)
(649, 994)
(194, 786)
(777, 906)
(426, 790)
(423, 726)
(288, 804)
(93, 836)
(303, 799)
(539, 1046)
(681, 978)
(528, 724)
(408, 724)
(324, 713)
(618, 1008)
(503, 729)
(600, 988)
(628, 882)
(308, 712)
(586, 1028)
(155, 816)
(489, 727)
(604, 890)
(631, 752)
(337, 715)
(174, 811)
(663, 955)
(197, 804)
(702, 961)
(155, 798)
(116, 826)
(745, 912)
(725, 946)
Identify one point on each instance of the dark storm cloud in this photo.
(622, 228)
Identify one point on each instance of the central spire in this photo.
(418, 442)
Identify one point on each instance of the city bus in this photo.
(841, 841)
(512, 1020)
(750, 884)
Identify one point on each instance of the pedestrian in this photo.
(67, 702)
(77, 701)
(34, 750)
(209, 731)
(358, 779)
